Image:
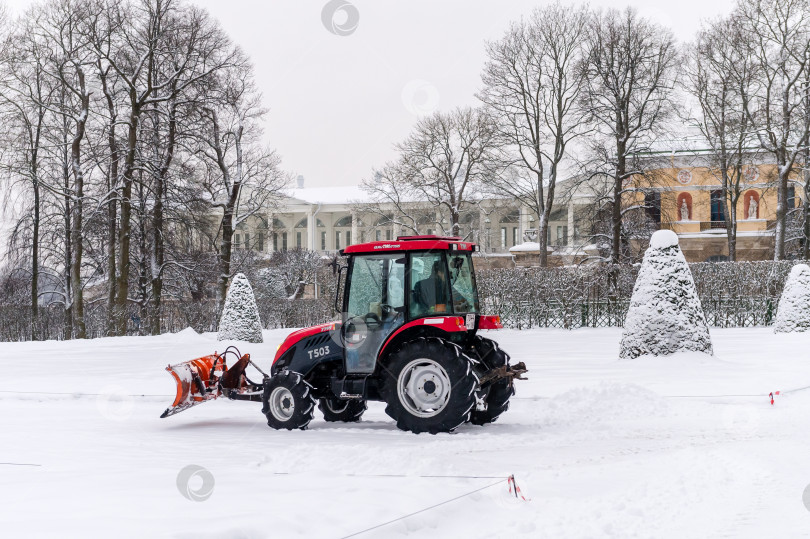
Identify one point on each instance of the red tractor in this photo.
(408, 337)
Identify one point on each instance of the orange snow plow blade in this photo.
(207, 378)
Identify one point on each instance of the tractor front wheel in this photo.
(287, 401)
(429, 386)
(348, 411)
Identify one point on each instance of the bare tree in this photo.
(775, 103)
(61, 24)
(25, 96)
(242, 178)
(719, 73)
(444, 162)
(627, 96)
(140, 38)
(532, 81)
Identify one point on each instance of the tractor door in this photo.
(374, 307)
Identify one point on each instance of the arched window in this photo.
(278, 224)
(385, 220)
(345, 221)
(751, 203)
(684, 208)
(303, 223)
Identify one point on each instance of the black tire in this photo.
(287, 401)
(447, 394)
(498, 393)
(347, 411)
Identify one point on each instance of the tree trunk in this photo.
(35, 263)
(729, 211)
(158, 243)
(542, 238)
(616, 213)
(76, 231)
(112, 181)
(68, 216)
(225, 249)
(781, 211)
(806, 208)
(125, 225)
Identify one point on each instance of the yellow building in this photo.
(688, 199)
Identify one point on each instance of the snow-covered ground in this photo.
(685, 446)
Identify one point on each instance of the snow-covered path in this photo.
(641, 448)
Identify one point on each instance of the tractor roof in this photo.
(411, 243)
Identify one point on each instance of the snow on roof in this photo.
(528, 246)
(343, 194)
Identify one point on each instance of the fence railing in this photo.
(733, 294)
(720, 312)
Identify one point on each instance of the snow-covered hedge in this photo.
(794, 305)
(240, 317)
(665, 314)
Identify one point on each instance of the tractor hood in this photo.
(297, 335)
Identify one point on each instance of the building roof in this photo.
(344, 194)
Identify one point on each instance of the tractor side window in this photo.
(430, 291)
(462, 282)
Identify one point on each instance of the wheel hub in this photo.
(282, 404)
(424, 387)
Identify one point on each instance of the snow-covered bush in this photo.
(793, 313)
(240, 317)
(665, 314)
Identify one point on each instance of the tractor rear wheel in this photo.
(429, 386)
(348, 411)
(287, 401)
(500, 391)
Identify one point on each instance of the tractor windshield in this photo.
(442, 283)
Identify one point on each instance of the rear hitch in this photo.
(511, 372)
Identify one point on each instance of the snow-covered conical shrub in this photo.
(793, 313)
(665, 314)
(240, 317)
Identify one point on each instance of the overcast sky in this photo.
(339, 102)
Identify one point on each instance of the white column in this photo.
(330, 230)
(571, 223)
(271, 229)
(311, 228)
(482, 230)
(355, 239)
(523, 226)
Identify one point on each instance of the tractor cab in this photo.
(392, 286)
